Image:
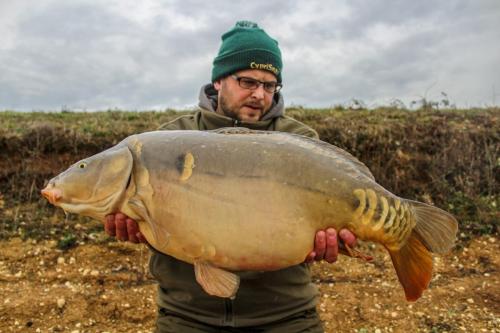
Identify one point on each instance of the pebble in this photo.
(94, 273)
(394, 314)
(72, 260)
(470, 300)
(377, 330)
(61, 302)
(60, 260)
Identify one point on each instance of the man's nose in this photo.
(259, 92)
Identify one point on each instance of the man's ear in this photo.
(218, 84)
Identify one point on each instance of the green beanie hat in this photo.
(247, 46)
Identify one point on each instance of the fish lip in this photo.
(53, 195)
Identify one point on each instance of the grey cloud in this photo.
(91, 55)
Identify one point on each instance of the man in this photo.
(246, 79)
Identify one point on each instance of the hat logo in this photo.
(267, 67)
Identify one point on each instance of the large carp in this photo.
(237, 200)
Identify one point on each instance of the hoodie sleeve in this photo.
(187, 122)
(290, 125)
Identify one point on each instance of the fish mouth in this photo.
(53, 195)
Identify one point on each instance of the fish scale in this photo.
(222, 200)
(381, 219)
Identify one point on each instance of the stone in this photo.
(61, 302)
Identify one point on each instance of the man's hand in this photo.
(124, 228)
(326, 244)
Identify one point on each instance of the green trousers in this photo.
(303, 322)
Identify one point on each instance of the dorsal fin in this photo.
(304, 140)
(239, 130)
(329, 147)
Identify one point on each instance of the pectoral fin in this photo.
(160, 235)
(216, 281)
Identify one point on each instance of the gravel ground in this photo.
(106, 288)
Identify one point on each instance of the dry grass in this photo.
(448, 158)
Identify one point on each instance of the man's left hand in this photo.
(326, 244)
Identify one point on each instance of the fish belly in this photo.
(242, 224)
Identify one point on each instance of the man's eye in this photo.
(248, 82)
(270, 86)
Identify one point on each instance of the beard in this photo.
(234, 112)
(226, 109)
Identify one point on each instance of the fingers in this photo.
(326, 244)
(134, 235)
(109, 225)
(347, 237)
(132, 230)
(310, 257)
(332, 248)
(121, 227)
(124, 228)
(141, 238)
(320, 245)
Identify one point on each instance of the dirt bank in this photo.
(106, 287)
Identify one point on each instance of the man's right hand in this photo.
(124, 228)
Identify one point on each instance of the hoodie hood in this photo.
(208, 102)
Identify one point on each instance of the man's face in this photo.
(244, 104)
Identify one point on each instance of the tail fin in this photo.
(435, 231)
(413, 264)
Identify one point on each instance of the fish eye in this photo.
(82, 165)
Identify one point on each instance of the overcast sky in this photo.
(140, 55)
